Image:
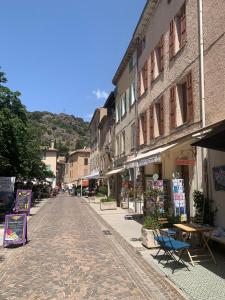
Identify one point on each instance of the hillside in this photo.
(68, 132)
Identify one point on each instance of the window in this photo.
(132, 62)
(133, 128)
(86, 161)
(141, 46)
(118, 112)
(185, 111)
(132, 94)
(123, 105)
(123, 142)
(143, 129)
(118, 145)
(159, 57)
(177, 32)
(143, 79)
(159, 120)
(173, 107)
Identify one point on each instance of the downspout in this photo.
(202, 92)
(136, 122)
(201, 54)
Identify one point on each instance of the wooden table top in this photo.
(191, 227)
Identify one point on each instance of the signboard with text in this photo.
(6, 193)
(15, 230)
(23, 201)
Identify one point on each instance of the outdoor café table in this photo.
(191, 229)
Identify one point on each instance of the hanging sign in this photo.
(15, 230)
(23, 201)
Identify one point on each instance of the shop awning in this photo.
(143, 159)
(114, 171)
(94, 175)
(215, 139)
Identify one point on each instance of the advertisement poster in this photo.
(6, 193)
(219, 178)
(15, 229)
(23, 201)
(178, 197)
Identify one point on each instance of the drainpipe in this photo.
(201, 53)
(202, 86)
(136, 121)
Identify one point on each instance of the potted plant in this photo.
(108, 203)
(150, 225)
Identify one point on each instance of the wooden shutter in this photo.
(162, 54)
(173, 107)
(190, 98)
(171, 40)
(139, 85)
(183, 26)
(152, 65)
(145, 75)
(144, 127)
(151, 121)
(137, 133)
(161, 125)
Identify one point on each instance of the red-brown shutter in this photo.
(144, 128)
(139, 84)
(173, 107)
(161, 125)
(183, 26)
(151, 110)
(137, 133)
(152, 65)
(190, 97)
(162, 53)
(145, 75)
(171, 40)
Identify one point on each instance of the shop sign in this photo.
(185, 162)
(15, 230)
(6, 193)
(23, 201)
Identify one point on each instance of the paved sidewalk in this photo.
(204, 281)
(72, 254)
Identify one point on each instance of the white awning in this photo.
(115, 171)
(94, 175)
(143, 159)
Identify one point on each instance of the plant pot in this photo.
(108, 205)
(124, 205)
(148, 238)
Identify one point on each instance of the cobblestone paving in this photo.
(70, 257)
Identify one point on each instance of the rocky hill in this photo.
(68, 132)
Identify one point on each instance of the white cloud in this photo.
(100, 94)
(88, 116)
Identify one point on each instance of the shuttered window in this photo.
(161, 121)
(182, 26)
(172, 40)
(151, 112)
(190, 107)
(145, 76)
(137, 133)
(173, 107)
(161, 66)
(144, 127)
(152, 66)
(139, 84)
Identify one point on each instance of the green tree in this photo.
(20, 153)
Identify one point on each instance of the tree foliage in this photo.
(20, 153)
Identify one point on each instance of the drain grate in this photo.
(107, 232)
(136, 239)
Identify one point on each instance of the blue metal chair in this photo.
(171, 247)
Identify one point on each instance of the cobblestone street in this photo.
(71, 255)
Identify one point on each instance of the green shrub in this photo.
(103, 190)
(151, 222)
(108, 199)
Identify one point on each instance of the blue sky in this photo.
(62, 54)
